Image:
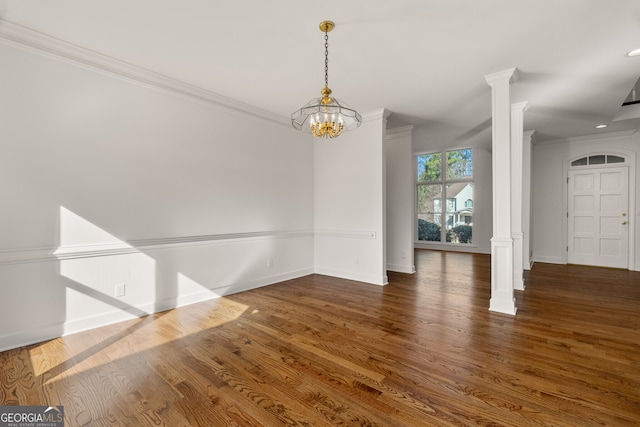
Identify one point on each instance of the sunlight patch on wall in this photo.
(223, 312)
(77, 233)
(110, 280)
(189, 287)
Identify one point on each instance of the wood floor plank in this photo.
(321, 351)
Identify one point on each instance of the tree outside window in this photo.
(450, 185)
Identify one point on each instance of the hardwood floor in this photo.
(421, 351)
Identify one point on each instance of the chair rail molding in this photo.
(60, 253)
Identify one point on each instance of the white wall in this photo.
(350, 203)
(106, 180)
(400, 190)
(549, 179)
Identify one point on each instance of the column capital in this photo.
(379, 114)
(511, 75)
(529, 135)
(520, 106)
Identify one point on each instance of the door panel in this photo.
(598, 204)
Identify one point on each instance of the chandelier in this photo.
(326, 117)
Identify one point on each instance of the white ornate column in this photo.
(517, 164)
(528, 138)
(502, 299)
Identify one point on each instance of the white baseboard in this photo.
(548, 259)
(49, 332)
(349, 275)
(235, 288)
(451, 247)
(32, 336)
(398, 268)
(108, 318)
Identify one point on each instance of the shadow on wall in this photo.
(111, 280)
(93, 278)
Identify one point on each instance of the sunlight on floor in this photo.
(113, 283)
(85, 351)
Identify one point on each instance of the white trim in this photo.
(518, 262)
(512, 73)
(31, 336)
(528, 134)
(48, 332)
(379, 114)
(528, 140)
(349, 275)
(451, 247)
(348, 234)
(398, 268)
(25, 38)
(517, 191)
(547, 259)
(124, 314)
(399, 132)
(231, 288)
(502, 292)
(552, 143)
(171, 242)
(22, 256)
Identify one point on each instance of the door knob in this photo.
(624, 214)
(624, 222)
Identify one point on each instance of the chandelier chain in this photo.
(326, 59)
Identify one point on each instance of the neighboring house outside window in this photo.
(446, 184)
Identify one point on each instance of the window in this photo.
(599, 159)
(445, 196)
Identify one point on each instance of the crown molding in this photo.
(27, 39)
(399, 132)
(587, 138)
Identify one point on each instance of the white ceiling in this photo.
(424, 60)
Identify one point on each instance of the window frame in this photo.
(443, 213)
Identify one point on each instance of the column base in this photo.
(506, 306)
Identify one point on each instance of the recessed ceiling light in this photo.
(635, 52)
(601, 126)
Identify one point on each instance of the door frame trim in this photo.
(630, 162)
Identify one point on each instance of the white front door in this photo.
(598, 217)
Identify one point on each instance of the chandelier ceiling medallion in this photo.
(326, 117)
